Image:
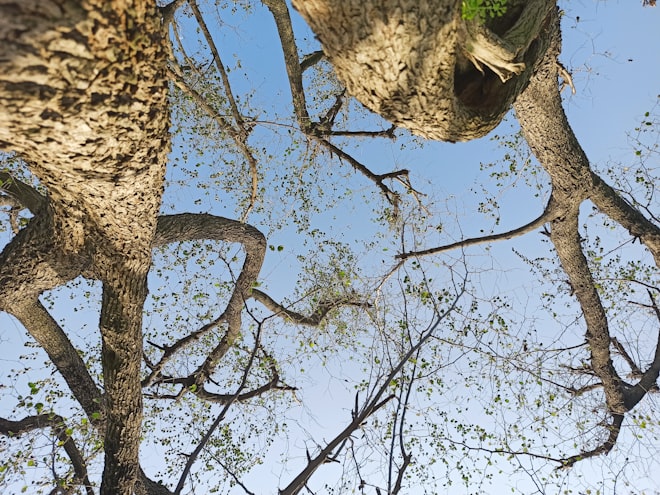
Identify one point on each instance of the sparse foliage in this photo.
(327, 321)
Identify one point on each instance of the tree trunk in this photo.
(424, 67)
(83, 102)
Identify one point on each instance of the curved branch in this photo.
(324, 307)
(604, 448)
(189, 226)
(648, 380)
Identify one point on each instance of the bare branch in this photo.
(173, 228)
(634, 369)
(324, 307)
(219, 65)
(280, 12)
(377, 400)
(238, 136)
(604, 448)
(392, 197)
(549, 213)
(207, 436)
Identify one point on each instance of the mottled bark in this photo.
(83, 100)
(422, 66)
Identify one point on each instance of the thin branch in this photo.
(174, 228)
(11, 428)
(604, 448)
(649, 378)
(219, 65)
(238, 136)
(273, 384)
(280, 12)
(377, 400)
(236, 479)
(549, 213)
(392, 197)
(324, 307)
(207, 436)
(170, 350)
(634, 369)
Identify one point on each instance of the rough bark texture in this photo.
(83, 101)
(422, 66)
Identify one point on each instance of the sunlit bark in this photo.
(424, 67)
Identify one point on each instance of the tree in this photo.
(211, 375)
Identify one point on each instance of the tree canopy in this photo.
(236, 261)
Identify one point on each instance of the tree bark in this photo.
(422, 66)
(83, 101)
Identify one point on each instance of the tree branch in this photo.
(25, 194)
(238, 136)
(649, 378)
(280, 12)
(549, 213)
(11, 428)
(604, 448)
(377, 400)
(219, 65)
(207, 436)
(324, 307)
(618, 209)
(188, 226)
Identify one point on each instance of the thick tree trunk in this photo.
(419, 64)
(83, 101)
